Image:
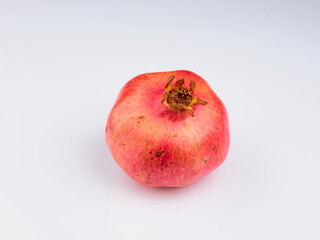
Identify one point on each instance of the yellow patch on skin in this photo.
(197, 164)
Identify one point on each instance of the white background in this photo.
(62, 64)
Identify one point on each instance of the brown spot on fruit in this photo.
(205, 160)
(175, 135)
(142, 117)
(214, 147)
(159, 153)
(106, 128)
(122, 144)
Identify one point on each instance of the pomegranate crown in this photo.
(176, 97)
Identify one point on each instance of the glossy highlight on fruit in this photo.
(168, 129)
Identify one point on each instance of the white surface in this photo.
(62, 64)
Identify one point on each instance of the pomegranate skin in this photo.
(160, 147)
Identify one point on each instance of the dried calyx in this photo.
(177, 97)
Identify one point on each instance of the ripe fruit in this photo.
(163, 134)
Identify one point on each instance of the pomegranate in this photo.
(168, 129)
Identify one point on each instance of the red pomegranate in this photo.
(168, 129)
